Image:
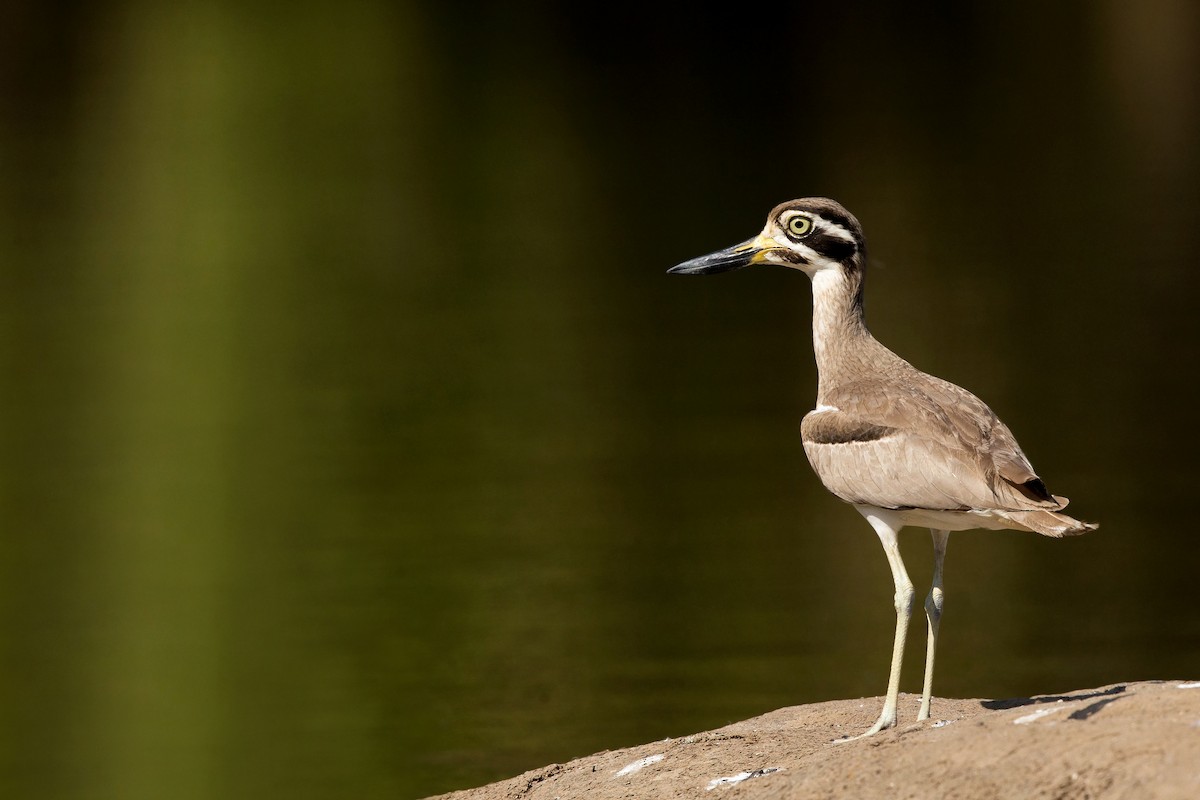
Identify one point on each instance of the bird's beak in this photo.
(736, 257)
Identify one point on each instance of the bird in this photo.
(903, 447)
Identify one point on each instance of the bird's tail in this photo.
(1049, 523)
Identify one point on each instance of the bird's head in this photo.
(811, 235)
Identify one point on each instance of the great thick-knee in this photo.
(901, 446)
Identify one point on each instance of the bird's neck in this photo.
(845, 350)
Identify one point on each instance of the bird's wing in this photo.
(915, 441)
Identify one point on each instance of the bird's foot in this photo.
(886, 720)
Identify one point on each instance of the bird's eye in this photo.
(799, 226)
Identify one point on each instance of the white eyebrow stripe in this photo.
(833, 229)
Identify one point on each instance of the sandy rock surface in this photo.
(1135, 740)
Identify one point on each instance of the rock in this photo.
(1126, 740)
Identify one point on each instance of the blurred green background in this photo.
(355, 443)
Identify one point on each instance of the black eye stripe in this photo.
(835, 248)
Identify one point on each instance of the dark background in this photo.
(355, 443)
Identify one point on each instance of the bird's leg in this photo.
(887, 530)
(933, 611)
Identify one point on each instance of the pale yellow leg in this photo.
(886, 526)
(933, 612)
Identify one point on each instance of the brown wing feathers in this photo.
(943, 448)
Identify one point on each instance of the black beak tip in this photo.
(730, 258)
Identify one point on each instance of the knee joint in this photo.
(934, 603)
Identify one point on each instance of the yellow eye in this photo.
(799, 226)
